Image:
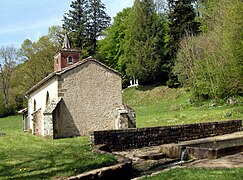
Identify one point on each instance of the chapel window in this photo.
(70, 60)
(47, 99)
(34, 105)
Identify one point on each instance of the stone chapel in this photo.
(77, 98)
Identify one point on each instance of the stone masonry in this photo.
(118, 140)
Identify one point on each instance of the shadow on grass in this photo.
(52, 168)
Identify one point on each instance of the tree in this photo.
(144, 42)
(215, 55)
(98, 21)
(111, 47)
(39, 56)
(75, 22)
(8, 60)
(182, 22)
(85, 22)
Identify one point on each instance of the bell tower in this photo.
(66, 56)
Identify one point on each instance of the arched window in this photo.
(70, 60)
(56, 60)
(47, 99)
(34, 105)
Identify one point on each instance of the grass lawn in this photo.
(199, 174)
(159, 106)
(24, 156)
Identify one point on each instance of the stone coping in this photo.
(173, 150)
(120, 140)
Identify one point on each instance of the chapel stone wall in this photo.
(91, 94)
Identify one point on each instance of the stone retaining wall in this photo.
(117, 140)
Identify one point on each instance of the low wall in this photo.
(118, 140)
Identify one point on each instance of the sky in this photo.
(30, 19)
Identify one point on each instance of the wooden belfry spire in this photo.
(66, 43)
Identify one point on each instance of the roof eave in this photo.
(43, 81)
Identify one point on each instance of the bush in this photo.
(172, 83)
(9, 111)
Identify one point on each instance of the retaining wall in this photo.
(118, 140)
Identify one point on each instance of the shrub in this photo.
(9, 111)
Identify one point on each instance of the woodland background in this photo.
(197, 44)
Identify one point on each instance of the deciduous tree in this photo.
(8, 61)
(214, 58)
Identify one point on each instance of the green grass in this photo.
(24, 156)
(159, 106)
(199, 174)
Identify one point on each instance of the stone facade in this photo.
(91, 94)
(37, 122)
(82, 98)
(77, 98)
(119, 140)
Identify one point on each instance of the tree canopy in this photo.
(84, 23)
(211, 63)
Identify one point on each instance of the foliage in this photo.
(141, 42)
(160, 105)
(38, 58)
(182, 20)
(7, 111)
(24, 156)
(111, 46)
(212, 63)
(35, 61)
(144, 49)
(8, 61)
(85, 22)
(199, 173)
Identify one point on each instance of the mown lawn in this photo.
(199, 174)
(159, 106)
(24, 156)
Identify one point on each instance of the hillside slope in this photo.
(157, 106)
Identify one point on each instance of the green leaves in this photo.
(212, 62)
(145, 42)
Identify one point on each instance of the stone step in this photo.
(151, 156)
